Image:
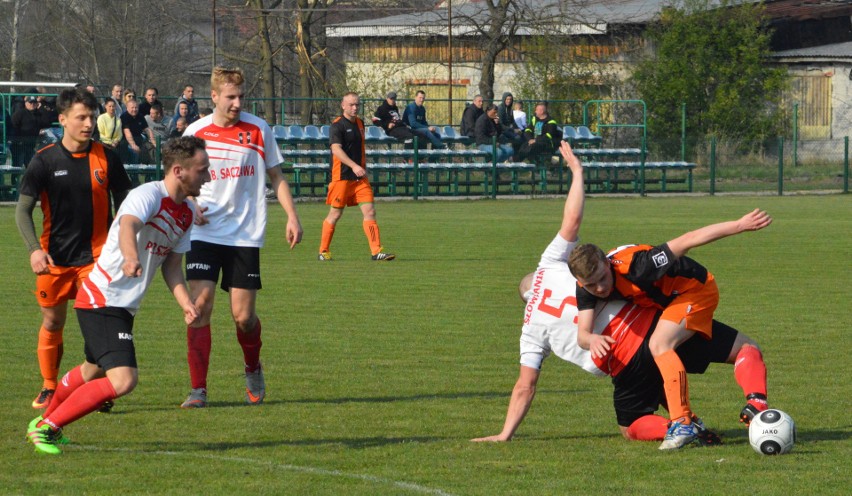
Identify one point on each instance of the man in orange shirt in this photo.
(349, 185)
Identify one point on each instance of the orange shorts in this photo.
(695, 308)
(60, 285)
(349, 193)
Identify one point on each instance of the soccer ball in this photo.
(772, 432)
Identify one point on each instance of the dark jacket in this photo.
(485, 129)
(469, 117)
(29, 123)
(544, 131)
(415, 116)
(507, 118)
(386, 114)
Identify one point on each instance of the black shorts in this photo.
(240, 265)
(639, 387)
(108, 336)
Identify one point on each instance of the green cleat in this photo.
(43, 438)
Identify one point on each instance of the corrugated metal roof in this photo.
(834, 51)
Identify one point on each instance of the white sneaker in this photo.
(679, 435)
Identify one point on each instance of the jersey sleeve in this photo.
(141, 203)
(335, 134)
(117, 175)
(557, 252)
(651, 264)
(585, 300)
(33, 182)
(271, 150)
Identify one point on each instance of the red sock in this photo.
(198, 342)
(750, 373)
(85, 400)
(648, 428)
(250, 343)
(69, 383)
(49, 355)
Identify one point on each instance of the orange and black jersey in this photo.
(350, 136)
(649, 275)
(74, 192)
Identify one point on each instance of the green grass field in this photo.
(379, 374)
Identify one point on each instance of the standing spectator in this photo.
(507, 120)
(387, 116)
(415, 117)
(159, 215)
(115, 95)
(470, 116)
(151, 97)
(109, 126)
(192, 106)
(182, 113)
(349, 185)
(137, 134)
(542, 135)
(519, 115)
(156, 123)
(486, 129)
(27, 122)
(231, 231)
(74, 180)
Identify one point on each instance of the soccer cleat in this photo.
(106, 407)
(751, 410)
(705, 437)
(382, 256)
(43, 438)
(679, 435)
(325, 257)
(255, 386)
(59, 435)
(43, 398)
(197, 399)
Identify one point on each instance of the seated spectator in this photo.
(205, 112)
(152, 95)
(115, 95)
(192, 105)
(387, 116)
(182, 111)
(507, 120)
(127, 96)
(519, 115)
(180, 127)
(470, 116)
(156, 123)
(137, 134)
(109, 126)
(487, 128)
(542, 135)
(27, 122)
(415, 117)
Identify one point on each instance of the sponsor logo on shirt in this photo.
(197, 266)
(60, 173)
(157, 249)
(125, 336)
(212, 135)
(99, 176)
(660, 260)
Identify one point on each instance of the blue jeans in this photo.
(504, 151)
(424, 132)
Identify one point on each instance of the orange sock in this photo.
(49, 355)
(648, 428)
(371, 229)
(327, 234)
(675, 385)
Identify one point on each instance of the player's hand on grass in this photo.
(600, 345)
(753, 221)
(40, 262)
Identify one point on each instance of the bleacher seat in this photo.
(312, 133)
(280, 132)
(570, 135)
(295, 133)
(324, 131)
(585, 134)
(374, 133)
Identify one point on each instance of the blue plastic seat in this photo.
(312, 133)
(296, 133)
(324, 130)
(570, 134)
(586, 134)
(374, 133)
(280, 132)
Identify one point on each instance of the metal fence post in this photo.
(712, 165)
(795, 134)
(780, 165)
(494, 167)
(846, 164)
(416, 167)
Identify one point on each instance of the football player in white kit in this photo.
(151, 229)
(550, 326)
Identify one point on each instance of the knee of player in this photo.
(124, 381)
(246, 322)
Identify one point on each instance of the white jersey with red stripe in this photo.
(235, 197)
(166, 229)
(550, 317)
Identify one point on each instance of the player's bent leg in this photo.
(49, 351)
(646, 428)
(123, 379)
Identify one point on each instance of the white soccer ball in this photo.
(772, 432)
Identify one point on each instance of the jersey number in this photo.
(556, 311)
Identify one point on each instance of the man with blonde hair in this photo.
(231, 228)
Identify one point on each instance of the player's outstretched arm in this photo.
(572, 215)
(173, 275)
(522, 397)
(285, 199)
(753, 221)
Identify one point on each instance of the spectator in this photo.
(507, 120)
(387, 116)
(180, 127)
(115, 95)
(27, 122)
(109, 126)
(192, 106)
(519, 115)
(542, 135)
(182, 112)
(415, 117)
(91, 88)
(470, 116)
(151, 97)
(487, 127)
(126, 97)
(156, 122)
(205, 112)
(137, 133)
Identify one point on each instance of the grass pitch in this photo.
(378, 374)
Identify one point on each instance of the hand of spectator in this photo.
(391, 125)
(432, 128)
(754, 221)
(600, 345)
(40, 262)
(531, 141)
